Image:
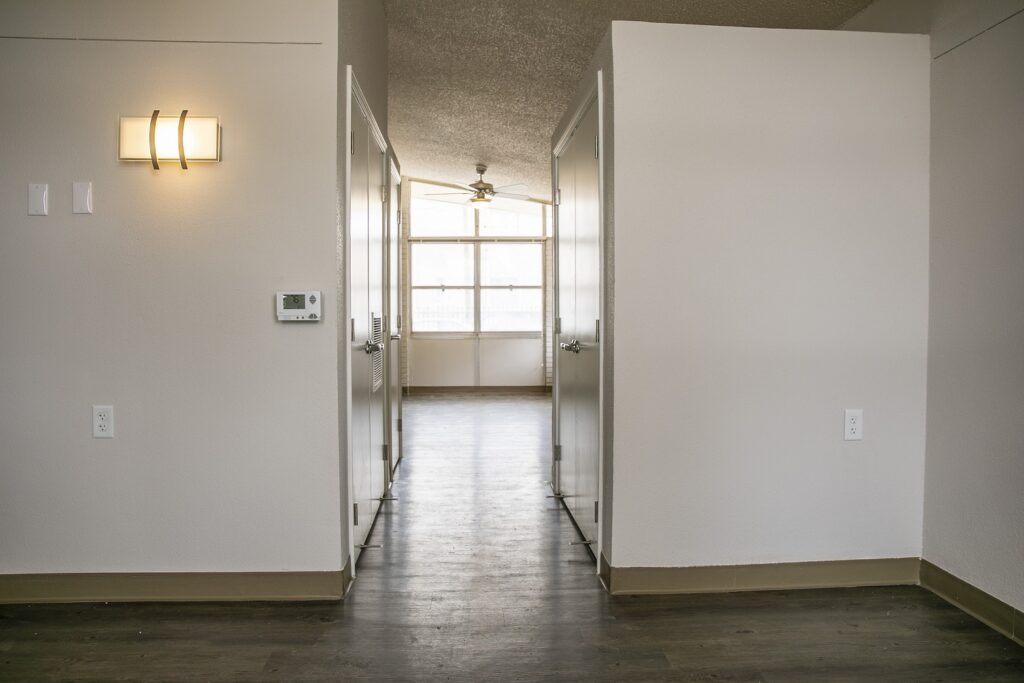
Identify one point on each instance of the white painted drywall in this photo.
(470, 362)
(161, 302)
(974, 510)
(442, 362)
(770, 270)
(363, 43)
(974, 485)
(511, 362)
(948, 22)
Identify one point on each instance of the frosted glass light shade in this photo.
(201, 137)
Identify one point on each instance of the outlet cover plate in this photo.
(103, 422)
(853, 420)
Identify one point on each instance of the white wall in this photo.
(770, 270)
(470, 362)
(974, 489)
(161, 302)
(363, 43)
(949, 23)
(974, 509)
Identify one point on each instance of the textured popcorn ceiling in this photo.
(487, 80)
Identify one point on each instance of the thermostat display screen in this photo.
(294, 301)
(299, 306)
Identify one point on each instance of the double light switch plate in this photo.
(39, 198)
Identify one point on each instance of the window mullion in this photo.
(476, 287)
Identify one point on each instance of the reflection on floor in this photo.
(477, 581)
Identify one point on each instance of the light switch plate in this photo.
(81, 197)
(854, 424)
(38, 199)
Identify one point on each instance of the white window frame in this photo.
(476, 240)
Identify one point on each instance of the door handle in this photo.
(370, 347)
(573, 346)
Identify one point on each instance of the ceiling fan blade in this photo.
(515, 186)
(507, 195)
(442, 194)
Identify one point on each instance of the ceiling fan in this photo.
(481, 192)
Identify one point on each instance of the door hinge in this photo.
(595, 512)
(558, 197)
(558, 326)
(384, 452)
(352, 147)
(399, 424)
(355, 514)
(399, 322)
(597, 330)
(352, 329)
(383, 194)
(597, 147)
(558, 452)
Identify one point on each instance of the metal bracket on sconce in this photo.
(365, 546)
(581, 543)
(181, 138)
(152, 139)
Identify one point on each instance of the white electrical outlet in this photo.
(854, 424)
(103, 422)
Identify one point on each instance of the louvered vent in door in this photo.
(377, 337)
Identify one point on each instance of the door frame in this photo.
(591, 92)
(353, 97)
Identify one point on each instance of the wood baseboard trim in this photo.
(604, 572)
(175, 587)
(757, 577)
(984, 607)
(346, 578)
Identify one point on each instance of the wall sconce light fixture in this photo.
(183, 138)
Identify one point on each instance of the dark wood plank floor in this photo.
(478, 582)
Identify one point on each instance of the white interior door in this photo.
(394, 364)
(565, 358)
(588, 302)
(577, 364)
(378, 338)
(359, 291)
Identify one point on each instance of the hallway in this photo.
(477, 581)
(473, 532)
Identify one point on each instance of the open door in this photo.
(577, 364)
(366, 286)
(378, 337)
(394, 319)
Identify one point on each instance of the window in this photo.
(442, 287)
(475, 270)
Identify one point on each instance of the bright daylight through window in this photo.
(475, 270)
